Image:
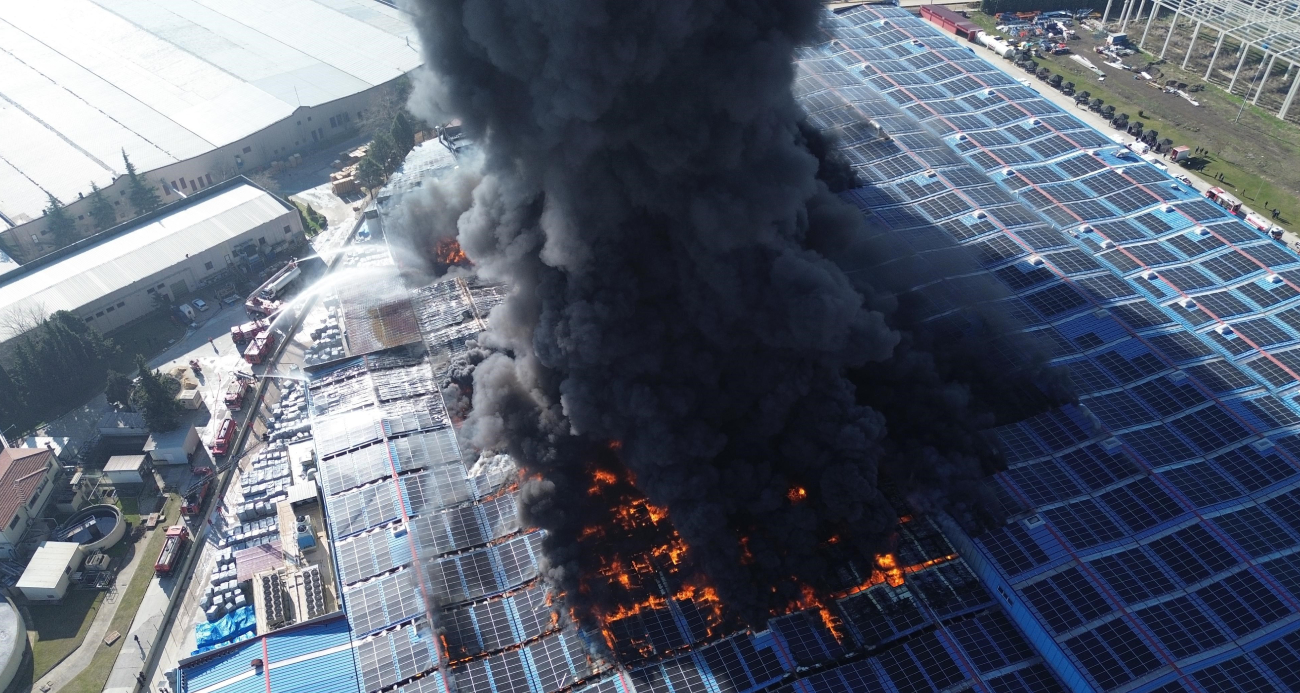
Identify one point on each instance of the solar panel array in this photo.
(1157, 522)
(415, 530)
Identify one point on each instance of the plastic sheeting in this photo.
(233, 627)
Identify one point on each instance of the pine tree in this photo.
(161, 410)
(101, 210)
(369, 173)
(117, 388)
(383, 151)
(59, 223)
(12, 407)
(144, 198)
(403, 136)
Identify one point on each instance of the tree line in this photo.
(63, 228)
(51, 369)
(386, 151)
(61, 362)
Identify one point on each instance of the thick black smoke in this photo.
(685, 282)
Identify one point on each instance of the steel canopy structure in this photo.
(1269, 26)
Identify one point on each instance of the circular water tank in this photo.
(13, 642)
(96, 528)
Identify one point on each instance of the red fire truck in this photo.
(241, 335)
(1224, 200)
(260, 348)
(266, 300)
(225, 436)
(178, 537)
(234, 397)
(197, 493)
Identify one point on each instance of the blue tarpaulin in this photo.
(227, 629)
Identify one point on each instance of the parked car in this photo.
(1184, 180)
(200, 304)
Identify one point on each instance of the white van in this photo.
(188, 310)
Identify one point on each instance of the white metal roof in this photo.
(124, 463)
(48, 563)
(118, 262)
(167, 80)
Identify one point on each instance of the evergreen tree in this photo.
(59, 223)
(383, 152)
(11, 402)
(101, 210)
(403, 136)
(118, 388)
(144, 198)
(156, 399)
(369, 173)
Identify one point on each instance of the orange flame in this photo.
(746, 556)
(448, 252)
(889, 564)
(615, 445)
(796, 494)
(600, 480)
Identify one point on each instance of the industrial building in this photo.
(1154, 527)
(193, 92)
(111, 279)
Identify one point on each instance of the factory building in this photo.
(192, 93)
(111, 279)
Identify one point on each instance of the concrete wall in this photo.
(276, 142)
(41, 594)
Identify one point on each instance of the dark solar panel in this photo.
(395, 655)
(382, 602)
(370, 554)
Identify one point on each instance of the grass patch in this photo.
(95, 675)
(312, 221)
(58, 629)
(130, 508)
(1250, 187)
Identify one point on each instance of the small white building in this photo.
(50, 570)
(127, 470)
(173, 447)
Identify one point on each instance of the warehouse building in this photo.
(110, 279)
(193, 92)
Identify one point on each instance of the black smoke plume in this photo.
(685, 283)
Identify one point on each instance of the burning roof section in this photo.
(444, 587)
(1155, 524)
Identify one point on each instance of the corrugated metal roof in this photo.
(118, 262)
(80, 80)
(299, 659)
(48, 563)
